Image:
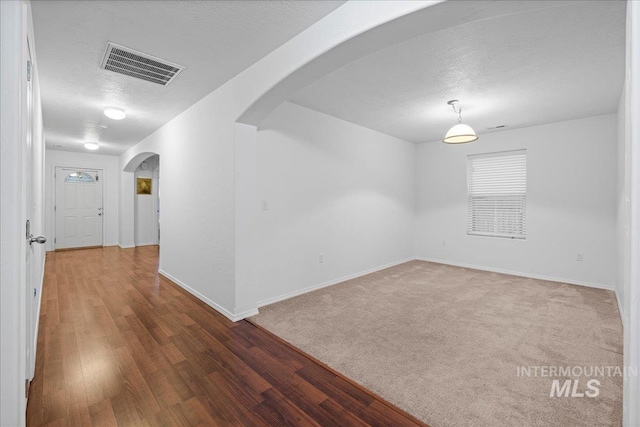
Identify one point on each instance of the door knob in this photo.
(39, 239)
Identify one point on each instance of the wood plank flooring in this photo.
(119, 344)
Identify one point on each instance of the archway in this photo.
(147, 202)
(380, 29)
(218, 134)
(140, 198)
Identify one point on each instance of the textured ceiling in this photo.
(558, 63)
(214, 40)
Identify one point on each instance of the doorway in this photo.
(78, 208)
(147, 202)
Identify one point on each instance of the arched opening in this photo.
(146, 206)
(141, 199)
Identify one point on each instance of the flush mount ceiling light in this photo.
(460, 133)
(91, 145)
(115, 113)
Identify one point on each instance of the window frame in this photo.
(520, 231)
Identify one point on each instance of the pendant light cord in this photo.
(459, 111)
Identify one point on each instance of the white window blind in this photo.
(498, 194)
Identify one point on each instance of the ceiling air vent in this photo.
(129, 62)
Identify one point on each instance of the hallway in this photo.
(120, 345)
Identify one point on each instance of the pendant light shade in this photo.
(460, 133)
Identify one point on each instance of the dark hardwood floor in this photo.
(120, 345)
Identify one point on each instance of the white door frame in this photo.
(28, 184)
(54, 195)
(156, 199)
(632, 298)
(14, 30)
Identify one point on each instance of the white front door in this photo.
(78, 208)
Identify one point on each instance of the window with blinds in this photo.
(498, 194)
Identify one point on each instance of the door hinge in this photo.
(97, 178)
(55, 240)
(27, 383)
(55, 207)
(28, 71)
(28, 229)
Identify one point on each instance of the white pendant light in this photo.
(92, 146)
(115, 113)
(460, 133)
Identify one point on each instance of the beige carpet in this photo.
(444, 343)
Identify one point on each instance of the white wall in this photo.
(631, 283)
(146, 220)
(571, 203)
(12, 324)
(198, 215)
(332, 188)
(110, 185)
(18, 314)
(208, 231)
(623, 207)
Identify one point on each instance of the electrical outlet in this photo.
(321, 258)
(265, 205)
(580, 258)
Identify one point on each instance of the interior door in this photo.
(29, 210)
(78, 208)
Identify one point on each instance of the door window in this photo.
(74, 177)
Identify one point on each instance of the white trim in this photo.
(212, 304)
(13, 342)
(155, 175)
(126, 246)
(37, 320)
(520, 274)
(631, 393)
(620, 308)
(312, 288)
(244, 314)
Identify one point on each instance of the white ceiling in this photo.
(559, 63)
(214, 40)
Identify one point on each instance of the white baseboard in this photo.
(312, 288)
(252, 312)
(146, 244)
(110, 245)
(620, 308)
(126, 246)
(220, 309)
(244, 314)
(32, 369)
(518, 273)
